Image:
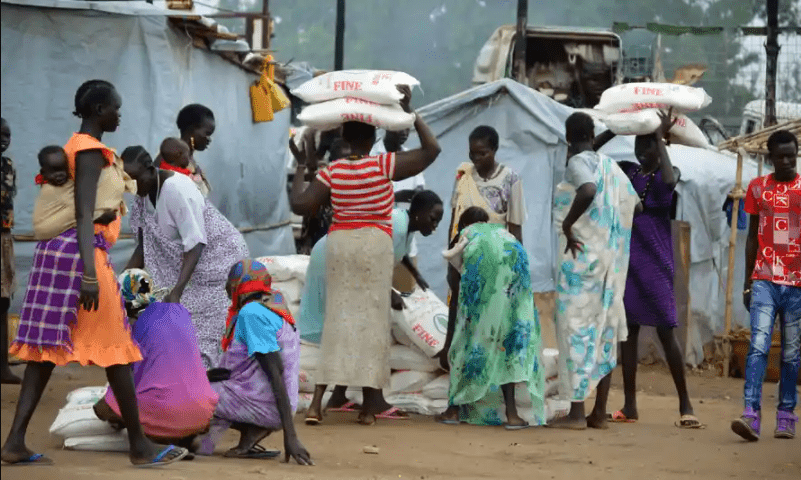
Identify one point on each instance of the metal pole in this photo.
(520, 41)
(339, 41)
(265, 25)
(772, 50)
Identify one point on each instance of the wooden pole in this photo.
(339, 40)
(265, 25)
(521, 41)
(736, 194)
(772, 50)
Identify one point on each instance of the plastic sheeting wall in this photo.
(48, 53)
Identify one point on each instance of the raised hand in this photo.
(666, 123)
(406, 101)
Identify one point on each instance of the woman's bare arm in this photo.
(88, 165)
(306, 202)
(138, 258)
(409, 164)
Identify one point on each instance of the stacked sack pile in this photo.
(80, 428)
(631, 109)
(288, 274)
(417, 383)
(418, 333)
(367, 96)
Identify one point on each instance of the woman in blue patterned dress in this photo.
(594, 207)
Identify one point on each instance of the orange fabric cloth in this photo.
(101, 337)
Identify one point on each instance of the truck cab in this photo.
(754, 114)
(569, 64)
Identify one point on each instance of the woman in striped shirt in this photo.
(359, 258)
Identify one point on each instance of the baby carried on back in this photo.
(54, 211)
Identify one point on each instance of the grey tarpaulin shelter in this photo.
(50, 47)
(532, 142)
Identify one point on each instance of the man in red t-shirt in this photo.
(773, 284)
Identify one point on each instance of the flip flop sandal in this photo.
(446, 421)
(160, 461)
(313, 421)
(256, 452)
(393, 413)
(516, 427)
(689, 422)
(619, 417)
(35, 460)
(346, 407)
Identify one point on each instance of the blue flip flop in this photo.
(159, 460)
(35, 460)
(449, 422)
(516, 427)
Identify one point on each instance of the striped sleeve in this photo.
(386, 163)
(324, 176)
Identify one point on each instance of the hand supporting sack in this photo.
(644, 122)
(332, 113)
(632, 97)
(379, 86)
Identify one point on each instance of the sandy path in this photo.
(421, 449)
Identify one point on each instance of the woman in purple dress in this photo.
(649, 298)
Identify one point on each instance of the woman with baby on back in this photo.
(73, 310)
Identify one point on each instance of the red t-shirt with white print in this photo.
(778, 205)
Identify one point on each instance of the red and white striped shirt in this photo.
(361, 192)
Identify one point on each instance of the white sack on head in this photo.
(332, 113)
(641, 96)
(644, 122)
(375, 85)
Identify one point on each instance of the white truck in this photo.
(569, 64)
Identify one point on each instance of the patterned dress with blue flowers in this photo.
(497, 336)
(590, 316)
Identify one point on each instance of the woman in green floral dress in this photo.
(493, 329)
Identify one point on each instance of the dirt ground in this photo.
(421, 449)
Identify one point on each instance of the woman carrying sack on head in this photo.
(423, 216)
(356, 340)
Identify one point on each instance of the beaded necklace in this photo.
(651, 176)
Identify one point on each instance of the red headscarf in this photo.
(166, 166)
(249, 276)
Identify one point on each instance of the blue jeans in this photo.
(767, 300)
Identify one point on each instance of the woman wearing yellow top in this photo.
(73, 310)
